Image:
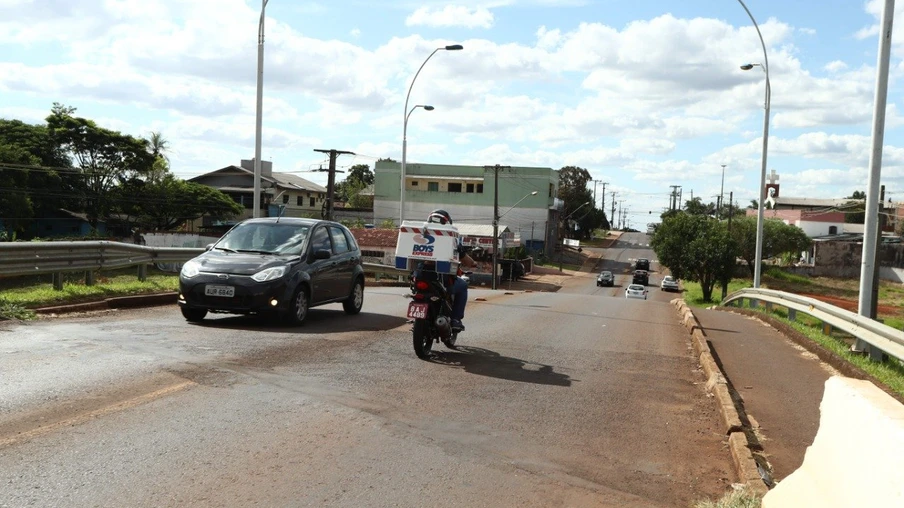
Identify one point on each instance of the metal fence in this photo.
(58, 258)
(880, 337)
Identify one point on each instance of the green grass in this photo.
(28, 293)
(693, 295)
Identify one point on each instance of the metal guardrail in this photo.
(874, 333)
(29, 258)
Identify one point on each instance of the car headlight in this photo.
(191, 269)
(269, 274)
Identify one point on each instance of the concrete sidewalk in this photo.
(777, 386)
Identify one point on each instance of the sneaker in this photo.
(457, 325)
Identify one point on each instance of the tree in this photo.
(49, 183)
(103, 158)
(696, 248)
(15, 204)
(159, 149)
(349, 190)
(778, 238)
(578, 202)
(855, 211)
(171, 202)
(696, 206)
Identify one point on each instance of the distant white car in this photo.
(636, 291)
(669, 283)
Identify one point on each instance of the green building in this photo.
(468, 194)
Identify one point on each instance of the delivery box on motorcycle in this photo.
(422, 241)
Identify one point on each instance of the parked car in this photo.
(641, 277)
(605, 278)
(280, 266)
(642, 264)
(669, 283)
(636, 291)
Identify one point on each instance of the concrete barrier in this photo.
(857, 457)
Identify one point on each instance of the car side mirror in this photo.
(209, 246)
(322, 254)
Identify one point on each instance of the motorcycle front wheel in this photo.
(421, 338)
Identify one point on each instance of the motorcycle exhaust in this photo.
(444, 326)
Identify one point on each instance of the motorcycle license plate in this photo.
(417, 310)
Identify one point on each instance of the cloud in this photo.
(451, 15)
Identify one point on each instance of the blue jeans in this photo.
(459, 292)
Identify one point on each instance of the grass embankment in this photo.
(20, 294)
(891, 298)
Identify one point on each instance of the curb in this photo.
(120, 302)
(716, 384)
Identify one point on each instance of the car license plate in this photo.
(417, 310)
(225, 291)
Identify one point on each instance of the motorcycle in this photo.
(431, 310)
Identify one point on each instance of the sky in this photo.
(645, 95)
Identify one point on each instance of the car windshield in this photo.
(265, 238)
(634, 287)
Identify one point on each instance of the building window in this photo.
(285, 199)
(454, 187)
(469, 187)
(433, 186)
(312, 201)
(833, 230)
(414, 183)
(551, 190)
(480, 188)
(299, 201)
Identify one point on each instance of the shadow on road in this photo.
(484, 362)
(318, 321)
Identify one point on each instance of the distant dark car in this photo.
(605, 279)
(640, 277)
(642, 264)
(280, 266)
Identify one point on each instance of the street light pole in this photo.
(453, 47)
(256, 201)
(757, 270)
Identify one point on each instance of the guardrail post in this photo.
(754, 303)
(769, 306)
(142, 272)
(792, 314)
(58, 281)
(826, 329)
(89, 277)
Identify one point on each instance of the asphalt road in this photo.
(553, 399)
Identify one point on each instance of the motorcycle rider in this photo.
(458, 287)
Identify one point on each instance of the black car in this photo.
(280, 266)
(640, 277)
(642, 264)
(605, 278)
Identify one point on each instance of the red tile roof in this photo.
(376, 237)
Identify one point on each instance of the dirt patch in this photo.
(853, 305)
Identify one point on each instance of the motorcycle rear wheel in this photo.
(421, 338)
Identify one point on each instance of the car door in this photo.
(345, 258)
(321, 270)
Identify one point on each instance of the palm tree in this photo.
(159, 145)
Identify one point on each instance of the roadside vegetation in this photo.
(18, 295)
(736, 498)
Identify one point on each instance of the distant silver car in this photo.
(636, 291)
(669, 283)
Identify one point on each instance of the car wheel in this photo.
(355, 300)
(193, 315)
(298, 311)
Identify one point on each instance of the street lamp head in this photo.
(454, 47)
(746, 67)
(534, 193)
(429, 108)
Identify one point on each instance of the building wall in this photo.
(515, 186)
(813, 229)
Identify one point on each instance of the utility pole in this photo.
(727, 278)
(874, 305)
(495, 169)
(603, 196)
(603, 206)
(674, 196)
(612, 215)
(331, 180)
